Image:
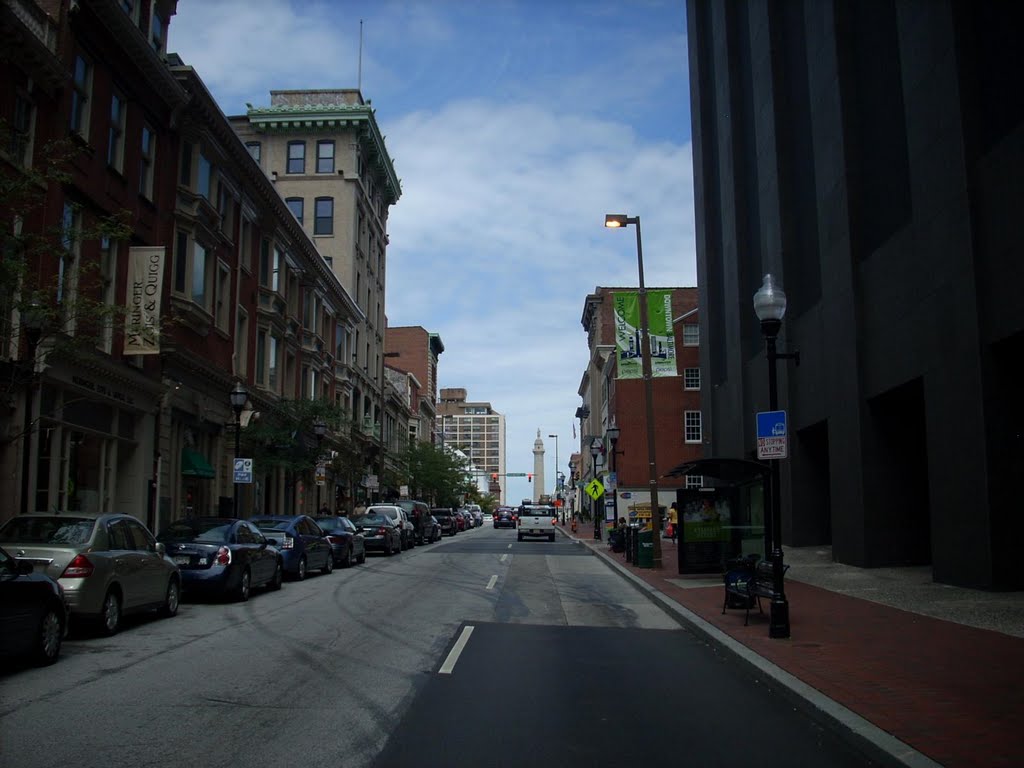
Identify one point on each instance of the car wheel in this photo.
(244, 588)
(171, 600)
(49, 638)
(328, 565)
(278, 580)
(110, 614)
(389, 548)
(301, 574)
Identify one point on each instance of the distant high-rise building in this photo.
(477, 430)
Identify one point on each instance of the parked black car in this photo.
(447, 520)
(33, 616)
(222, 556)
(380, 532)
(347, 543)
(432, 530)
(401, 519)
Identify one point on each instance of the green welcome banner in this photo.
(628, 337)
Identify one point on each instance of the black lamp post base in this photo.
(779, 626)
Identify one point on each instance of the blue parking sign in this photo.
(772, 435)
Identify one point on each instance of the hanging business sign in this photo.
(628, 339)
(142, 297)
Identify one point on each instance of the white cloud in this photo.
(513, 139)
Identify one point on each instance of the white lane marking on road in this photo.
(453, 656)
(503, 558)
(492, 582)
(510, 546)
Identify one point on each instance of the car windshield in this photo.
(371, 520)
(272, 525)
(57, 530)
(209, 531)
(331, 524)
(392, 513)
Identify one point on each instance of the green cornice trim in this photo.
(330, 118)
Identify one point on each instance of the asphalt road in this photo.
(566, 664)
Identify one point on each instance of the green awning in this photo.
(194, 464)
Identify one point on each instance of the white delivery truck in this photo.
(536, 520)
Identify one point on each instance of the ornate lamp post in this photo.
(613, 437)
(572, 490)
(32, 319)
(238, 396)
(319, 429)
(614, 221)
(770, 307)
(596, 446)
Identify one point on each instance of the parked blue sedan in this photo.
(222, 556)
(303, 544)
(346, 540)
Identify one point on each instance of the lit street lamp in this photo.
(614, 221)
(238, 397)
(770, 307)
(596, 446)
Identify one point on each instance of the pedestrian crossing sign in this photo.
(594, 489)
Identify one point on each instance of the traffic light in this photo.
(529, 477)
(494, 476)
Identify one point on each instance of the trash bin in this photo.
(645, 549)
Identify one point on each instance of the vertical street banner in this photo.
(142, 299)
(627, 334)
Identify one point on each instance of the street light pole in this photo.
(596, 445)
(614, 221)
(32, 319)
(556, 465)
(770, 307)
(238, 397)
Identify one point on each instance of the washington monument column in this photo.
(538, 467)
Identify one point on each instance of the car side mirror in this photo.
(263, 544)
(272, 542)
(160, 549)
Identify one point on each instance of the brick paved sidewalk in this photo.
(952, 692)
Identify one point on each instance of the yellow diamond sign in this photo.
(594, 489)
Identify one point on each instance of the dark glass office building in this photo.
(870, 156)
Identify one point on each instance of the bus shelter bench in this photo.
(747, 580)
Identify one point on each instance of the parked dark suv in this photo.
(446, 519)
(418, 513)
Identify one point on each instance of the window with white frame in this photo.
(695, 481)
(108, 276)
(81, 93)
(20, 141)
(223, 298)
(323, 224)
(296, 205)
(146, 162)
(692, 427)
(115, 139)
(67, 268)
(242, 343)
(296, 157)
(325, 156)
(204, 184)
(268, 348)
(691, 335)
(192, 271)
(691, 378)
(157, 31)
(270, 265)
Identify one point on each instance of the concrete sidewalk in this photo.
(920, 673)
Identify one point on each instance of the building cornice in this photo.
(331, 118)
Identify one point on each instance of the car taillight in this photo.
(287, 542)
(554, 521)
(382, 531)
(78, 568)
(223, 556)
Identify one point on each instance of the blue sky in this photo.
(514, 125)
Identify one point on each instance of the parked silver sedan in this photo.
(108, 565)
